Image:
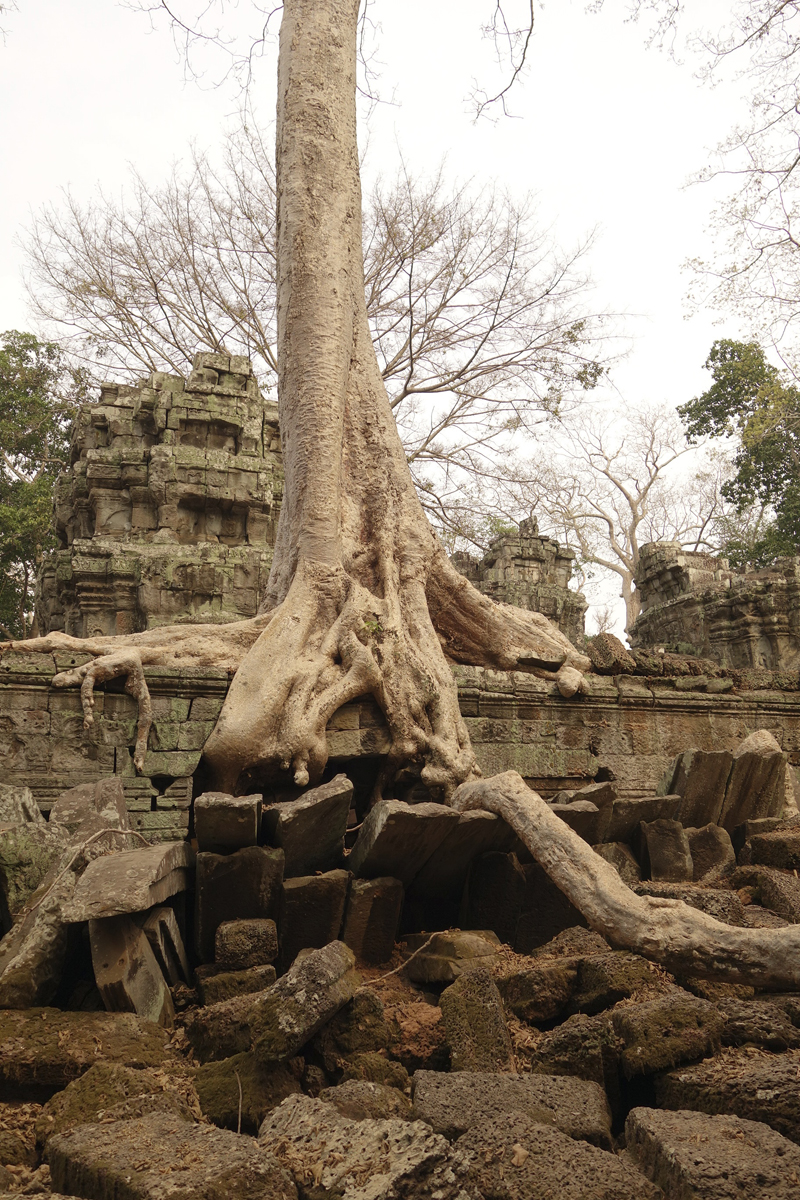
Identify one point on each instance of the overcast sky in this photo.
(606, 133)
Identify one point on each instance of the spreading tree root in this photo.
(668, 932)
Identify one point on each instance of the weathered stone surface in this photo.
(222, 1029)
(575, 942)
(454, 1103)
(757, 783)
(494, 895)
(371, 918)
(128, 977)
(397, 839)
(582, 816)
(370, 1066)
(720, 904)
(540, 992)
(474, 1023)
(311, 912)
(17, 805)
(44, 1049)
(778, 849)
(225, 985)
(27, 852)
(32, 954)
(451, 954)
(73, 806)
(224, 823)
(758, 1023)
(746, 1082)
(232, 887)
(311, 829)
(331, 1155)
(774, 889)
(700, 778)
(131, 881)
(586, 1047)
(263, 1088)
(289, 1013)
(162, 932)
(360, 1026)
(622, 819)
(621, 857)
(712, 853)
(100, 1092)
(605, 979)
(358, 1100)
(665, 855)
(609, 656)
(661, 1033)
(242, 944)
(159, 1157)
(712, 1158)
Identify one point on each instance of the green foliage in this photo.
(39, 394)
(750, 400)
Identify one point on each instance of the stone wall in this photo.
(694, 603)
(531, 572)
(169, 508)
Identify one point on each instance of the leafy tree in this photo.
(38, 397)
(752, 401)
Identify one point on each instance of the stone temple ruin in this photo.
(397, 995)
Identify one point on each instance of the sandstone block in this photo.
(371, 918)
(359, 1027)
(661, 1033)
(622, 858)
(224, 823)
(449, 955)
(128, 977)
(781, 848)
(397, 839)
(162, 932)
(712, 852)
(546, 911)
(443, 876)
(757, 783)
(33, 952)
(540, 992)
(263, 1089)
(700, 778)
(17, 805)
(27, 852)
(131, 881)
(665, 855)
(311, 912)
(74, 806)
(225, 985)
(621, 820)
(715, 1158)
(242, 944)
(582, 816)
(586, 1047)
(311, 829)
(605, 979)
(775, 890)
(474, 1023)
(232, 887)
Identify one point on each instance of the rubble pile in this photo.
(285, 1006)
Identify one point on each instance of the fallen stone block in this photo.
(575, 942)
(167, 1158)
(225, 985)
(712, 853)
(289, 1013)
(664, 852)
(582, 816)
(33, 952)
(131, 881)
(746, 1082)
(242, 944)
(232, 887)
(774, 889)
(475, 1025)
(397, 839)
(605, 979)
(262, 1089)
(540, 992)
(369, 1066)
(494, 895)
(720, 904)
(621, 820)
(602, 795)
(758, 1023)
(359, 1027)
(454, 1103)
(659, 1034)
(224, 823)
(716, 1158)
(585, 1047)
(622, 858)
(73, 807)
(780, 848)
(17, 806)
(128, 977)
(371, 918)
(449, 955)
(44, 1049)
(360, 1100)
(742, 833)
(311, 912)
(222, 1029)
(443, 876)
(314, 1141)
(27, 852)
(700, 778)
(104, 1088)
(757, 783)
(311, 829)
(162, 932)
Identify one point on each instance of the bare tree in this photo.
(480, 323)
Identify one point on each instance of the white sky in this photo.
(606, 133)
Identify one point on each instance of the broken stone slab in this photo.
(774, 889)
(757, 784)
(745, 1082)
(475, 1025)
(444, 874)
(359, 1027)
(540, 992)
(126, 972)
(397, 839)
(605, 979)
(242, 944)
(33, 952)
(222, 1029)
(454, 1103)
(245, 885)
(620, 821)
(742, 833)
(310, 830)
(311, 912)
(289, 1013)
(224, 823)
(584, 1046)
(263, 1089)
(664, 852)
(671, 1029)
(449, 955)
(168, 1158)
(602, 795)
(371, 918)
(712, 852)
(131, 881)
(781, 848)
(582, 816)
(622, 859)
(700, 778)
(162, 932)
(17, 806)
(27, 852)
(44, 1049)
(315, 1142)
(225, 985)
(713, 1157)
(73, 807)
(758, 1023)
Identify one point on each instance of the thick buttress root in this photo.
(669, 932)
